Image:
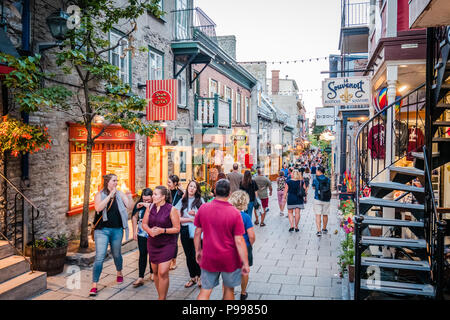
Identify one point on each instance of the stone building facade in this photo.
(48, 185)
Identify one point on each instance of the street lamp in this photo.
(57, 23)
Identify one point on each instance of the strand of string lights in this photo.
(304, 60)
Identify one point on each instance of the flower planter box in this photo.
(50, 260)
(346, 196)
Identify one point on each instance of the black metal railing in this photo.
(354, 14)
(188, 23)
(375, 153)
(434, 231)
(14, 220)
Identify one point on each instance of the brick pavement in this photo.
(287, 266)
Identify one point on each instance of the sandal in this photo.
(137, 284)
(199, 282)
(256, 222)
(263, 224)
(190, 283)
(173, 267)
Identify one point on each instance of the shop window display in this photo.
(118, 162)
(78, 169)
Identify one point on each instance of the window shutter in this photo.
(233, 111)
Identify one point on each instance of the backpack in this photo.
(324, 190)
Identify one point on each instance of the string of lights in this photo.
(304, 60)
(299, 91)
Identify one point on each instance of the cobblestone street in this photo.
(287, 266)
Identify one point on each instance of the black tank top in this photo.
(114, 218)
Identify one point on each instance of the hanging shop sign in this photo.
(325, 117)
(346, 91)
(162, 99)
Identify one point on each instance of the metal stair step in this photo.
(419, 155)
(443, 105)
(439, 139)
(407, 171)
(397, 186)
(393, 242)
(376, 221)
(390, 204)
(398, 287)
(395, 264)
(441, 123)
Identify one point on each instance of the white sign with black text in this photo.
(325, 117)
(348, 91)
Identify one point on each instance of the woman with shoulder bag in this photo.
(296, 193)
(188, 207)
(249, 185)
(162, 223)
(113, 206)
(140, 235)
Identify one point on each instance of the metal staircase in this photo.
(407, 261)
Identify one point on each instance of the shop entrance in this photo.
(166, 160)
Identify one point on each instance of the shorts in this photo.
(295, 206)
(250, 255)
(321, 207)
(210, 280)
(281, 199)
(265, 203)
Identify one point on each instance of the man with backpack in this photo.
(322, 199)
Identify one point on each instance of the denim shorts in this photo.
(211, 279)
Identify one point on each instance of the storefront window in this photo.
(113, 152)
(78, 169)
(118, 162)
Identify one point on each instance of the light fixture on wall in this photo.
(403, 88)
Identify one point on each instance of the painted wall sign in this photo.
(162, 99)
(346, 91)
(325, 117)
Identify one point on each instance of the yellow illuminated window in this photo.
(118, 162)
(78, 169)
(154, 167)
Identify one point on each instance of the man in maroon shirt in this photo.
(224, 249)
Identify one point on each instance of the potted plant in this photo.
(50, 254)
(346, 258)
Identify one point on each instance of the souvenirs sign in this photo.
(348, 91)
(162, 100)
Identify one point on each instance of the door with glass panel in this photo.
(177, 160)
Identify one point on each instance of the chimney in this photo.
(275, 82)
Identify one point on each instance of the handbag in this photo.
(98, 220)
(301, 191)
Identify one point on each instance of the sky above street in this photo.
(282, 30)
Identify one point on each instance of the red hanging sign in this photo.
(162, 99)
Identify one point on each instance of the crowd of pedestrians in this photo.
(217, 237)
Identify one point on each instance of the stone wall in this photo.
(49, 186)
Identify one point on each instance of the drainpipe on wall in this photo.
(25, 48)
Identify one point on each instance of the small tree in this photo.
(85, 54)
